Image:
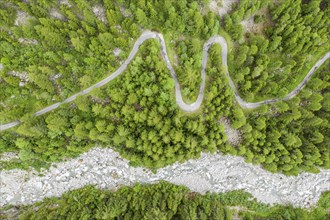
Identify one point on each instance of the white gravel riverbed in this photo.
(216, 173)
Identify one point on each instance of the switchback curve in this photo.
(184, 106)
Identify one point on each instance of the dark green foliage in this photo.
(163, 201)
(136, 113)
(139, 117)
(272, 63)
(292, 135)
(159, 201)
(7, 15)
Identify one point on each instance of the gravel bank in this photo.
(215, 173)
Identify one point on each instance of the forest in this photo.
(273, 62)
(161, 201)
(64, 52)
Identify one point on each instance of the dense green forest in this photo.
(161, 201)
(136, 113)
(295, 34)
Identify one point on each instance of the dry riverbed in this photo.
(216, 173)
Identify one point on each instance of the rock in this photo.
(215, 173)
(38, 185)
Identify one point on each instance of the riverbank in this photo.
(215, 173)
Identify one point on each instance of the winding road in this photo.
(215, 173)
(146, 35)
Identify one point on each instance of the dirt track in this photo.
(146, 35)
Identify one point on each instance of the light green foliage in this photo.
(295, 133)
(163, 201)
(138, 117)
(136, 114)
(295, 38)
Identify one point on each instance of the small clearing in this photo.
(22, 18)
(125, 12)
(117, 51)
(99, 11)
(22, 76)
(253, 26)
(221, 7)
(56, 14)
(64, 2)
(234, 136)
(8, 156)
(53, 79)
(27, 41)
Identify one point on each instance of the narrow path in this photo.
(184, 106)
(215, 173)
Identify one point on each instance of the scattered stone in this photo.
(99, 11)
(214, 173)
(221, 7)
(257, 27)
(23, 77)
(53, 78)
(117, 51)
(8, 156)
(21, 18)
(27, 41)
(125, 12)
(56, 14)
(234, 136)
(65, 2)
(114, 174)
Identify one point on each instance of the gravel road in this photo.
(146, 35)
(216, 173)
